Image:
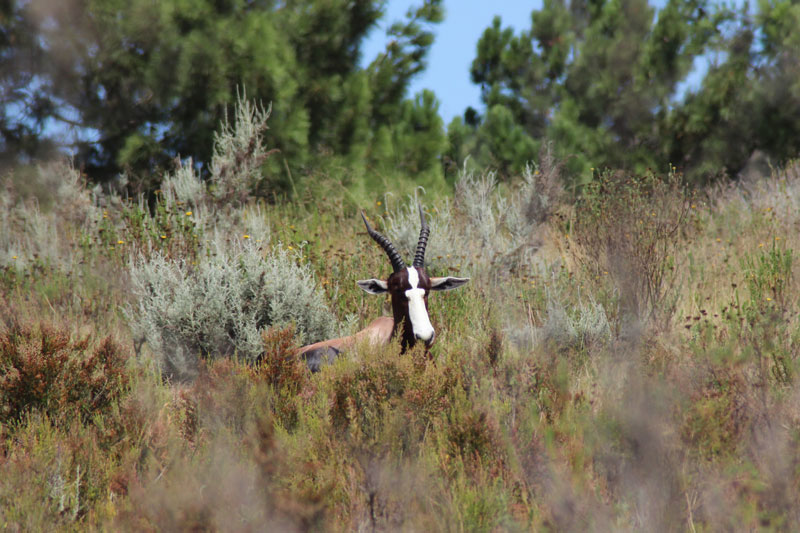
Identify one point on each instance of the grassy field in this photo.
(620, 360)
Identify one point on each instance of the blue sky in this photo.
(453, 50)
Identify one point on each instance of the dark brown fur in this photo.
(398, 285)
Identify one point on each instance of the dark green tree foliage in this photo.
(749, 102)
(147, 81)
(326, 38)
(151, 80)
(410, 135)
(23, 109)
(603, 80)
(594, 76)
(416, 139)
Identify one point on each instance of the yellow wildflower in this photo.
(188, 213)
(245, 236)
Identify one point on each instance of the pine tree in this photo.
(24, 107)
(595, 77)
(748, 106)
(145, 82)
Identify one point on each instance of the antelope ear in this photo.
(447, 283)
(373, 286)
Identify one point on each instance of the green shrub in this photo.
(717, 417)
(485, 227)
(239, 154)
(55, 477)
(220, 306)
(768, 274)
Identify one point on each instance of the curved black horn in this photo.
(424, 231)
(386, 244)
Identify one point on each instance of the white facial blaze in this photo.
(417, 313)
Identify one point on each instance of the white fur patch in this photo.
(413, 277)
(417, 313)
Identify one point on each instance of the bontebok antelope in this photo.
(408, 288)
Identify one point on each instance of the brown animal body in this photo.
(378, 332)
(408, 289)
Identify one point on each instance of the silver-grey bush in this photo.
(220, 306)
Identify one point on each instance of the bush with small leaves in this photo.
(284, 372)
(587, 325)
(484, 227)
(43, 368)
(38, 210)
(239, 153)
(183, 186)
(384, 397)
(221, 305)
(402, 228)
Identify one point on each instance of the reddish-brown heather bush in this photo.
(410, 386)
(279, 365)
(718, 415)
(234, 466)
(281, 369)
(42, 368)
(225, 388)
(219, 397)
(473, 439)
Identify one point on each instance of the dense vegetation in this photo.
(625, 359)
(611, 84)
(708, 87)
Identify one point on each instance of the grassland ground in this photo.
(622, 360)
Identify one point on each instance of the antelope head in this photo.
(408, 288)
